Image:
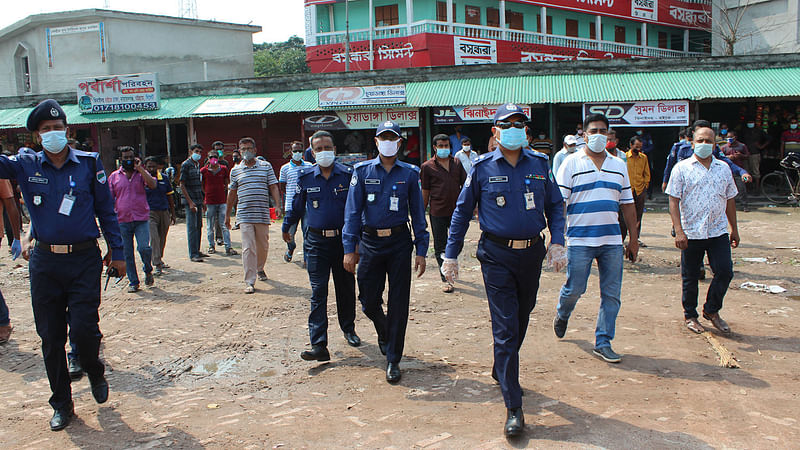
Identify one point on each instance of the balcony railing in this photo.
(479, 31)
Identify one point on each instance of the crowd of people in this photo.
(366, 225)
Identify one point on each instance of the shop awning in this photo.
(703, 85)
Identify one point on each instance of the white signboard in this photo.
(667, 113)
(118, 93)
(72, 29)
(233, 105)
(359, 96)
(362, 119)
(645, 9)
(474, 51)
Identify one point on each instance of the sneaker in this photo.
(220, 242)
(262, 276)
(287, 256)
(230, 252)
(5, 333)
(148, 279)
(607, 355)
(203, 255)
(197, 259)
(560, 326)
(133, 288)
(249, 289)
(211, 250)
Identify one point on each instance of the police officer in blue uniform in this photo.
(65, 189)
(376, 237)
(516, 199)
(322, 194)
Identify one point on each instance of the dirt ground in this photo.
(193, 362)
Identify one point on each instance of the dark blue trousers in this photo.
(719, 256)
(381, 257)
(512, 281)
(4, 319)
(325, 257)
(62, 287)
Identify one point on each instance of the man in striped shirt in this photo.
(594, 185)
(252, 182)
(288, 184)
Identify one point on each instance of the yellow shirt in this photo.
(638, 171)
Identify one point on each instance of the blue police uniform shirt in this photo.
(369, 202)
(43, 188)
(685, 150)
(157, 198)
(323, 201)
(498, 189)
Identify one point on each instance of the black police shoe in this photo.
(515, 422)
(75, 369)
(352, 339)
(559, 326)
(317, 353)
(62, 418)
(99, 388)
(393, 372)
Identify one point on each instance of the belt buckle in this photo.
(518, 245)
(386, 232)
(60, 249)
(329, 233)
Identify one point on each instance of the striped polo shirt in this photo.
(593, 198)
(252, 188)
(288, 175)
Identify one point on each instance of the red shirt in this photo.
(215, 185)
(790, 136)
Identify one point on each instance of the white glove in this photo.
(450, 269)
(556, 257)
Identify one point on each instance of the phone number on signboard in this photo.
(125, 107)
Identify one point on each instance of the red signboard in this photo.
(684, 14)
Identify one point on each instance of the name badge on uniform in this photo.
(370, 197)
(529, 203)
(500, 179)
(372, 181)
(38, 180)
(394, 204)
(315, 204)
(500, 200)
(313, 189)
(66, 205)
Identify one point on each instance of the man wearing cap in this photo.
(516, 199)
(570, 143)
(376, 237)
(65, 189)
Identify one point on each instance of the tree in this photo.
(280, 58)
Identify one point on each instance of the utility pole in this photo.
(188, 9)
(346, 35)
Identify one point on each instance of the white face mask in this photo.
(388, 148)
(466, 148)
(325, 158)
(597, 142)
(703, 150)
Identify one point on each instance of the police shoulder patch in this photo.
(354, 180)
(101, 176)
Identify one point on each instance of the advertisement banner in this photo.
(667, 113)
(361, 120)
(233, 105)
(360, 96)
(474, 51)
(468, 114)
(118, 93)
(689, 13)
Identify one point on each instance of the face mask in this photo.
(213, 161)
(297, 156)
(513, 138)
(751, 125)
(597, 142)
(220, 153)
(541, 136)
(248, 156)
(730, 140)
(54, 141)
(236, 159)
(793, 126)
(703, 150)
(635, 150)
(196, 156)
(639, 133)
(572, 148)
(723, 131)
(442, 152)
(127, 165)
(466, 148)
(325, 158)
(388, 148)
(610, 145)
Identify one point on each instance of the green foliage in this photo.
(280, 58)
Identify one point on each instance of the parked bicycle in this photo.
(783, 186)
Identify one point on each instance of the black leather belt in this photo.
(516, 244)
(386, 232)
(325, 233)
(65, 249)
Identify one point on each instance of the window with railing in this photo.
(515, 20)
(571, 28)
(387, 16)
(619, 34)
(539, 24)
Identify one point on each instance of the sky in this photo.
(280, 19)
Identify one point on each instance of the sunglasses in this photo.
(507, 125)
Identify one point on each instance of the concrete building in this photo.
(416, 33)
(751, 27)
(47, 53)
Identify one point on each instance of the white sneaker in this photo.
(249, 289)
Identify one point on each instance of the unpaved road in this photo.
(193, 362)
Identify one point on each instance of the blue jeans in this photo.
(4, 319)
(579, 265)
(215, 214)
(140, 229)
(194, 223)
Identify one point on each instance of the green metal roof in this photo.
(701, 85)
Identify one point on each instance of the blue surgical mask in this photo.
(442, 152)
(513, 138)
(703, 150)
(793, 126)
(325, 158)
(751, 125)
(196, 156)
(723, 131)
(730, 140)
(54, 141)
(297, 156)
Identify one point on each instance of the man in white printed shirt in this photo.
(594, 185)
(701, 193)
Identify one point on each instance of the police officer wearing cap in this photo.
(376, 236)
(516, 200)
(321, 193)
(65, 189)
